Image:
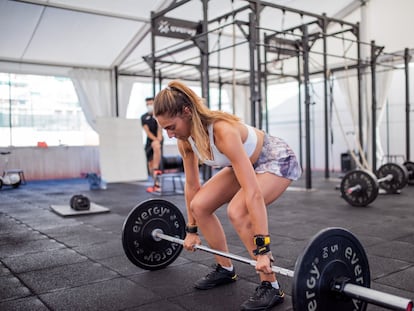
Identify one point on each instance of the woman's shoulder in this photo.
(220, 123)
(222, 128)
(229, 123)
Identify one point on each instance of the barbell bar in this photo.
(358, 187)
(388, 177)
(373, 296)
(334, 261)
(353, 189)
(157, 233)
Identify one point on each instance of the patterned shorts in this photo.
(278, 158)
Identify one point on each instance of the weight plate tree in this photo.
(331, 274)
(137, 239)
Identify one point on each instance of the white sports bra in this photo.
(219, 159)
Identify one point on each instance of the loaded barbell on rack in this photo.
(361, 187)
(332, 273)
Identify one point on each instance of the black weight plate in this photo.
(73, 199)
(369, 187)
(399, 177)
(410, 169)
(80, 203)
(331, 254)
(137, 234)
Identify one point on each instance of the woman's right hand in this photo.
(190, 240)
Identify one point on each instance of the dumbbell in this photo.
(361, 187)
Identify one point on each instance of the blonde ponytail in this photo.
(172, 100)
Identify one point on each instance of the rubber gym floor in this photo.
(50, 262)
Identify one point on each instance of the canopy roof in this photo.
(104, 34)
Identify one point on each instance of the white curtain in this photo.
(349, 88)
(384, 80)
(348, 84)
(94, 91)
(241, 101)
(125, 85)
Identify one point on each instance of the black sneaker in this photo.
(219, 276)
(264, 298)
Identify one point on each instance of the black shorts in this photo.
(149, 152)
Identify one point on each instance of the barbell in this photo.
(332, 273)
(361, 187)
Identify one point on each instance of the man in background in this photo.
(153, 144)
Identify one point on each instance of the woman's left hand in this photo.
(190, 240)
(263, 264)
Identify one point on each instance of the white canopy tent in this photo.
(102, 34)
(61, 36)
(94, 41)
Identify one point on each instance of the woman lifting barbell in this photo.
(257, 169)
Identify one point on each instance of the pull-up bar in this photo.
(300, 12)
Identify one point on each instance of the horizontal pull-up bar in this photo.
(225, 16)
(300, 12)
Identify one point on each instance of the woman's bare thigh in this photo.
(272, 187)
(218, 190)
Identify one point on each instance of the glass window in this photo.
(41, 109)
